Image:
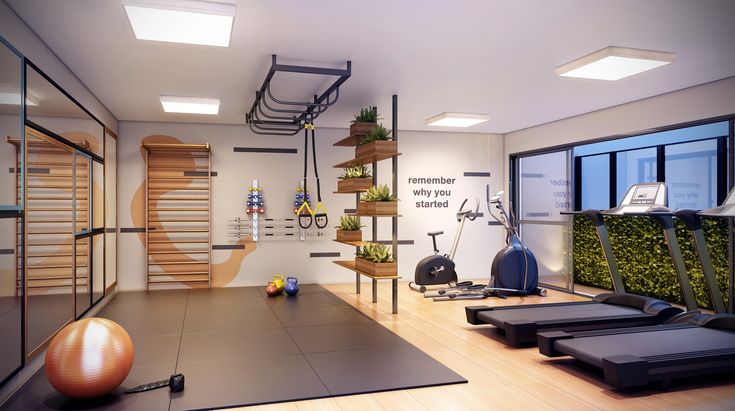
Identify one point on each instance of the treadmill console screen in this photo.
(644, 195)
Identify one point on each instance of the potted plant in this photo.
(378, 201)
(349, 229)
(376, 260)
(355, 178)
(364, 121)
(376, 142)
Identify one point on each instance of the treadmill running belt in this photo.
(561, 312)
(655, 343)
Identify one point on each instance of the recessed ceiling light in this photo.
(190, 105)
(181, 21)
(13, 98)
(457, 119)
(614, 63)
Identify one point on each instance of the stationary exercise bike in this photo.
(438, 269)
(514, 271)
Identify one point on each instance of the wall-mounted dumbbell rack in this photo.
(177, 214)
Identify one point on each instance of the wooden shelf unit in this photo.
(351, 141)
(172, 224)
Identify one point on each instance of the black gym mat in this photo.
(237, 347)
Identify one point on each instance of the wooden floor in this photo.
(500, 377)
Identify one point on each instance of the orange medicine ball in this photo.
(89, 358)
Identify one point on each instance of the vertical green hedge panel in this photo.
(643, 257)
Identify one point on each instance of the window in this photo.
(691, 174)
(634, 166)
(595, 182)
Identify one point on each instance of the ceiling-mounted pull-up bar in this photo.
(264, 118)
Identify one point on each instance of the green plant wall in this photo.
(643, 257)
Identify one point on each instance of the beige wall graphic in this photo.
(222, 273)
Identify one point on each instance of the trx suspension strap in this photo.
(304, 212)
(319, 213)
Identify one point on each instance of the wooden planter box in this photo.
(370, 208)
(360, 130)
(378, 147)
(354, 184)
(376, 269)
(346, 236)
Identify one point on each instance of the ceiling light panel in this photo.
(614, 63)
(13, 98)
(457, 119)
(190, 105)
(181, 21)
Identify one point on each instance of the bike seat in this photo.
(435, 233)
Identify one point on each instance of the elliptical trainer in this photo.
(514, 271)
(439, 269)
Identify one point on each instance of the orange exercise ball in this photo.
(89, 358)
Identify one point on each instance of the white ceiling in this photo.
(481, 56)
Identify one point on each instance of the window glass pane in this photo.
(596, 182)
(10, 124)
(691, 174)
(83, 301)
(81, 192)
(110, 210)
(10, 297)
(702, 132)
(57, 113)
(550, 245)
(98, 198)
(98, 267)
(49, 232)
(544, 187)
(633, 167)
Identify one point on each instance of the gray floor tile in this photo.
(221, 322)
(158, 350)
(171, 296)
(299, 301)
(223, 292)
(252, 381)
(224, 303)
(143, 309)
(379, 369)
(325, 338)
(149, 326)
(39, 395)
(320, 316)
(236, 345)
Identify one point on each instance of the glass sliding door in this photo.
(49, 231)
(691, 174)
(110, 210)
(11, 212)
(82, 229)
(544, 192)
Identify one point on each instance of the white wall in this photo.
(424, 155)
(15, 31)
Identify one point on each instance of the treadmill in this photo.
(703, 344)
(618, 309)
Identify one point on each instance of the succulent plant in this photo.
(349, 223)
(378, 132)
(358, 171)
(377, 253)
(367, 115)
(378, 193)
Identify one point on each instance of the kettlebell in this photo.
(272, 289)
(292, 286)
(279, 281)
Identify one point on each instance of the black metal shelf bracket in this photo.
(275, 116)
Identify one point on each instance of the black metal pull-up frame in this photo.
(275, 116)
